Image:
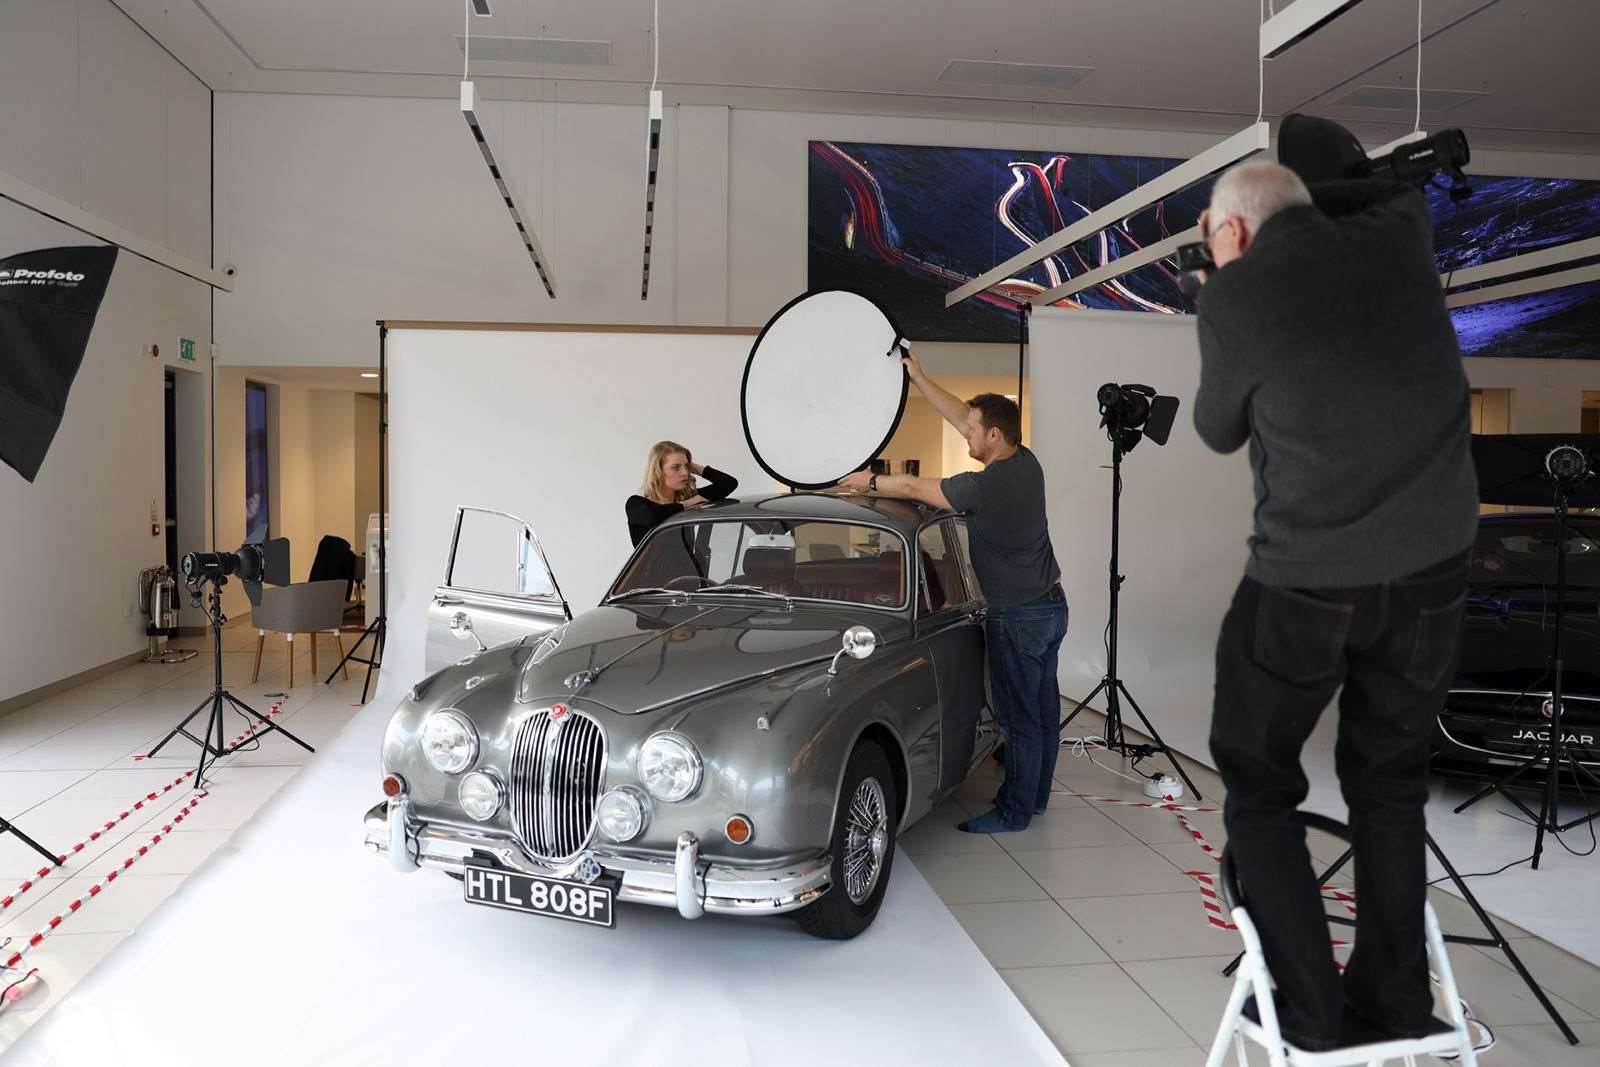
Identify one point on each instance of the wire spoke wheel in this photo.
(866, 840)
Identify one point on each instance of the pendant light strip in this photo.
(530, 241)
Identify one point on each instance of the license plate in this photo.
(514, 891)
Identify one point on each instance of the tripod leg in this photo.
(9, 827)
(370, 631)
(268, 724)
(1500, 785)
(1580, 771)
(377, 657)
(1084, 703)
(178, 729)
(1160, 744)
(1500, 941)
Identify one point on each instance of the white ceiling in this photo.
(1174, 64)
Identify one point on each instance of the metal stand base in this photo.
(376, 630)
(9, 827)
(1495, 939)
(213, 744)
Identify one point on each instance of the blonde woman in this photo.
(669, 475)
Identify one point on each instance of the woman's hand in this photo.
(698, 468)
(694, 502)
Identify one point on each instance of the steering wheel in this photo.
(689, 577)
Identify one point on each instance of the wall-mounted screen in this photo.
(905, 224)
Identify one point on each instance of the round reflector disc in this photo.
(822, 392)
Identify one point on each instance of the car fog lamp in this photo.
(669, 767)
(480, 795)
(621, 815)
(739, 830)
(449, 741)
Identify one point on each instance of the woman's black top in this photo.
(645, 514)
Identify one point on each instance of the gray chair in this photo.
(307, 608)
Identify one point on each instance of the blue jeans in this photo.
(1023, 645)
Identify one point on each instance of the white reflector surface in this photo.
(822, 395)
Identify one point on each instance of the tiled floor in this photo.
(67, 765)
(1090, 919)
(1087, 915)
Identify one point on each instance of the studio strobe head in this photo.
(1567, 465)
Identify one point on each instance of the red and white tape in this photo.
(95, 890)
(254, 726)
(44, 872)
(1165, 805)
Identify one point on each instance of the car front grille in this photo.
(1511, 726)
(557, 776)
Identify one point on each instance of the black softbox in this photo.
(48, 301)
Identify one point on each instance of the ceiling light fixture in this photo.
(369, 374)
(1299, 20)
(521, 219)
(480, 8)
(652, 155)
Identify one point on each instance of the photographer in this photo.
(1326, 345)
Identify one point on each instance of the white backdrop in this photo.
(1186, 513)
(549, 426)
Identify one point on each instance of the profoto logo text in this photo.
(22, 275)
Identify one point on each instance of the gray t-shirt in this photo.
(1009, 536)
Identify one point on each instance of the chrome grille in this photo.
(557, 775)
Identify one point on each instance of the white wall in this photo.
(1186, 513)
(566, 468)
(366, 469)
(333, 429)
(97, 114)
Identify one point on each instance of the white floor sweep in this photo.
(294, 946)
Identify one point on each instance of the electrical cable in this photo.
(466, 38)
(655, 41)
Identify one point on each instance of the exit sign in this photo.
(186, 349)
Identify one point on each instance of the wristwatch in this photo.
(872, 484)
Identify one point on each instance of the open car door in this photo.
(498, 581)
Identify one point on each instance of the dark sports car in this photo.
(1499, 708)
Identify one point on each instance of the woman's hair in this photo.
(655, 479)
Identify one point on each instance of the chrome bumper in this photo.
(685, 882)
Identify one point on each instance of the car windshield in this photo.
(1524, 554)
(800, 560)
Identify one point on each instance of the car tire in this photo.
(853, 898)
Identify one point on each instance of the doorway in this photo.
(169, 437)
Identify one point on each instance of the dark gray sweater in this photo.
(1327, 346)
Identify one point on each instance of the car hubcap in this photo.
(866, 840)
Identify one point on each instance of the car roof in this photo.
(898, 513)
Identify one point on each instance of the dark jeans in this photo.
(1023, 643)
(1281, 656)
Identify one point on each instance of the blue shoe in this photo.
(988, 823)
(1037, 811)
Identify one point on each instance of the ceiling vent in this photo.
(1013, 75)
(547, 50)
(1401, 98)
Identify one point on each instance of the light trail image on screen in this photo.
(908, 223)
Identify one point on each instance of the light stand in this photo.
(1111, 685)
(377, 629)
(212, 744)
(1554, 748)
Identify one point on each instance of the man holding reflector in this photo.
(1027, 617)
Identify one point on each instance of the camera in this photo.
(1321, 150)
(252, 564)
(1131, 412)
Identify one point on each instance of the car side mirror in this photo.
(858, 642)
(461, 626)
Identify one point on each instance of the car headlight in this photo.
(449, 741)
(480, 795)
(669, 766)
(621, 813)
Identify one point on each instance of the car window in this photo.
(940, 582)
(804, 560)
(496, 553)
(964, 552)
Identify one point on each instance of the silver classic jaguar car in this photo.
(771, 691)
